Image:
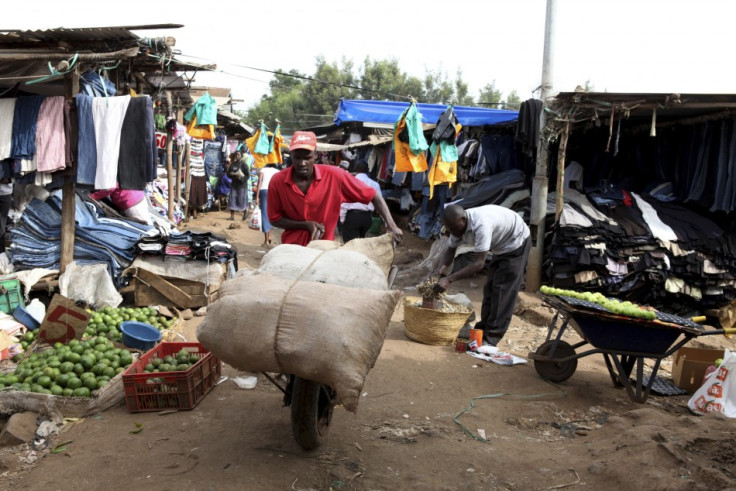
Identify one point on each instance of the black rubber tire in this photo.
(556, 371)
(311, 413)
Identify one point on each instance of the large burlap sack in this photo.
(337, 266)
(321, 332)
(379, 249)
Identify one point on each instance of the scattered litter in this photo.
(61, 447)
(470, 469)
(365, 394)
(482, 433)
(222, 379)
(139, 428)
(47, 428)
(405, 416)
(246, 382)
(357, 445)
(492, 353)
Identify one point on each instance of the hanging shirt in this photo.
(205, 110)
(86, 146)
(330, 187)
(108, 114)
(7, 109)
(345, 207)
(135, 145)
(25, 117)
(50, 138)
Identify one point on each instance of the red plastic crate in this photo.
(170, 390)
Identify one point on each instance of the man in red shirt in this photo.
(305, 199)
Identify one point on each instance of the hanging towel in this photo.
(108, 114)
(7, 109)
(50, 138)
(86, 146)
(25, 116)
(134, 147)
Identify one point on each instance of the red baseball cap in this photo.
(303, 139)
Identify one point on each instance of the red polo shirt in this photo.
(330, 188)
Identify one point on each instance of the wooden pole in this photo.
(561, 156)
(179, 164)
(63, 55)
(187, 180)
(68, 201)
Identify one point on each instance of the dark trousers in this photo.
(505, 273)
(356, 225)
(6, 200)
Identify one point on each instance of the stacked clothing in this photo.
(641, 248)
(178, 247)
(185, 246)
(36, 240)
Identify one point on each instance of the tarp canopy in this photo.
(390, 111)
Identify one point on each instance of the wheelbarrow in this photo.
(625, 343)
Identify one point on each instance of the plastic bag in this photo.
(255, 219)
(718, 392)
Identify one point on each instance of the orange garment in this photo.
(204, 131)
(441, 171)
(260, 159)
(274, 156)
(405, 160)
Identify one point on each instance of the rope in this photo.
(559, 393)
(54, 72)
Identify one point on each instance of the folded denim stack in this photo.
(179, 247)
(36, 240)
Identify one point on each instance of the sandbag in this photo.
(379, 249)
(337, 266)
(320, 332)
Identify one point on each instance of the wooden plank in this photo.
(68, 201)
(187, 180)
(169, 163)
(167, 289)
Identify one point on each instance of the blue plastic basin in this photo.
(139, 335)
(22, 316)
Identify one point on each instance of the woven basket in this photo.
(432, 326)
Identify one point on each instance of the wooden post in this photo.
(68, 201)
(561, 155)
(170, 172)
(179, 164)
(187, 180)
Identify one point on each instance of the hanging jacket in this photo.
(409, 142)
(205, 109)
(261, 158)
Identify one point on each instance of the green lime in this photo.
(81, 392)
(66, 367)
(63, 379)
(87, 362)
(67, 392)
(99, 368)
(79, 368)
(90, 383)
(109, 372)
(56, 390)
(74, 383)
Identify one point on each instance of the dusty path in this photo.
(581, 434)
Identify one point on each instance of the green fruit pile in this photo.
(626, 308)
(177, 362)
(74, 369)
(27, 338)
(106, 321)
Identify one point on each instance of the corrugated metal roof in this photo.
(81, 34)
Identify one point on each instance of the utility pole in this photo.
(541, 179)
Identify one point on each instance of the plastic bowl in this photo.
(22, 316)
(139, 335)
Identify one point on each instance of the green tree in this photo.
(513, 101)
(462, 92)
(490, 96)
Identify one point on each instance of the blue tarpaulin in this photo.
(390, 111)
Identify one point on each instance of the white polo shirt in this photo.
(494, 229)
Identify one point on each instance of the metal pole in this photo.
(541, 177)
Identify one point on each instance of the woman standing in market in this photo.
(239, 173)
(264, 177)
(222, 190)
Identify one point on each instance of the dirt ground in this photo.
(417, 425)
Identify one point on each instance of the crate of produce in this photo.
(11, 295)
(186, 373)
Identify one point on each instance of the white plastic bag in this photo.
(718, 392)
(255, 219)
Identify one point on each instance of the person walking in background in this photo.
(264, 178)
(357, 218)
(239, 173)
(222, 190)
(6, 201)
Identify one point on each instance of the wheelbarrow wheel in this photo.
(556, 371)
(311, 412)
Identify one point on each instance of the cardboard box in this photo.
(688, 368)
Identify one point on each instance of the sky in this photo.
(663, 46)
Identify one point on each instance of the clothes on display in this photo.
(409, 142)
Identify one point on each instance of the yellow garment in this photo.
(274, 157)
(205, 131)
(442, 171)
(133, 93)
(260, 159)
(405, 160)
